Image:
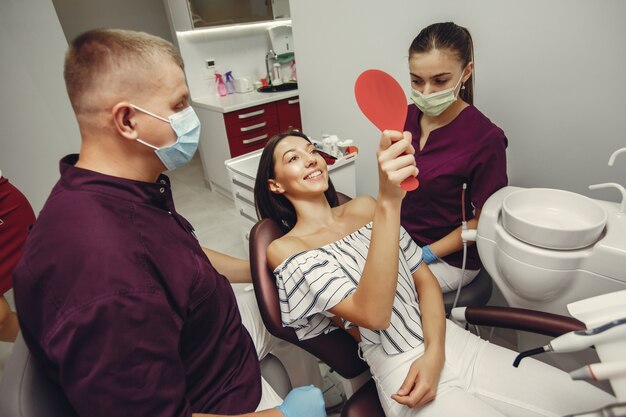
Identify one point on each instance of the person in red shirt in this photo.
(16, 217)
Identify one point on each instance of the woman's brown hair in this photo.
(451, 37)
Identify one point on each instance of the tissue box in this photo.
(243, 85)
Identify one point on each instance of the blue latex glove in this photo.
(303, 402)
(428, 255)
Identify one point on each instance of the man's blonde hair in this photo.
(98, 56)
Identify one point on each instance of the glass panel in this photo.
(227, 12)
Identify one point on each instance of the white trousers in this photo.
(301, 366)
(449, 276)
(269, 398)
(478, 380)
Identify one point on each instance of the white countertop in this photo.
(238, 101)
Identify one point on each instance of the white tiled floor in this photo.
(212, 215)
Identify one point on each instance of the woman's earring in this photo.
(463, 86)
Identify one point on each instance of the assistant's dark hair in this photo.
(276, 206)
(454, 38)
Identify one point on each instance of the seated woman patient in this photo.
(353, 266)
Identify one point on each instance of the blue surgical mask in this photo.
(435, 103)
(186, 125)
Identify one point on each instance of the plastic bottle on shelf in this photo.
(221, 87)
(230, 85)
(334, 147)
(276, 75)
(326, 143)
(294, 75)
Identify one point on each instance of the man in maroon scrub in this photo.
(117, 300)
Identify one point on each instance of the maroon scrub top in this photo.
(470, 149)
(16, 217)
(120, 305)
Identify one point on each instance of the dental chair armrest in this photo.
(518, 319)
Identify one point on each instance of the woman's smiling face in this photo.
(298, 168)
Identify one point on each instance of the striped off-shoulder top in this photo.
(311, 282)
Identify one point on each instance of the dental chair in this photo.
(337, 349)
(25, 391)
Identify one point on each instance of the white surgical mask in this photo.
(434, 104)
(186, 125)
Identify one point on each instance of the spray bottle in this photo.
(230, 84)
(294, 75)
(221, 88)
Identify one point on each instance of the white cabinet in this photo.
(242, 174)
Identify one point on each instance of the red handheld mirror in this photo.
(382, 101)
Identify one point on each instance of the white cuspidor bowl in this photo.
(553, 219)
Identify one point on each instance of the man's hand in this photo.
(303, 402)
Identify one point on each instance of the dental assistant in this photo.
(455, 144)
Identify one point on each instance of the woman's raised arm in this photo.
(370, 305)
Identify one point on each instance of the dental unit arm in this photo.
(580, 339)
(571, 335)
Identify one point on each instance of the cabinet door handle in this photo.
(251, 114)
(252, 127)
(294, 101)
(247, 216)
(244, 199)
(252, 140)
(242, 185)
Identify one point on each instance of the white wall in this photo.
(551, 74)
(37, 126)
(144, 15)
(240, 48)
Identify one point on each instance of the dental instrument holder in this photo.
(580, 339)
(605, 317)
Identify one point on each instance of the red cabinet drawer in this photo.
(249, 129)
(253, 119)
(289, 114)
(250, 141)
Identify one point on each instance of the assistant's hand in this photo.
(420, 385)
(303, 402)
(396, 162)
